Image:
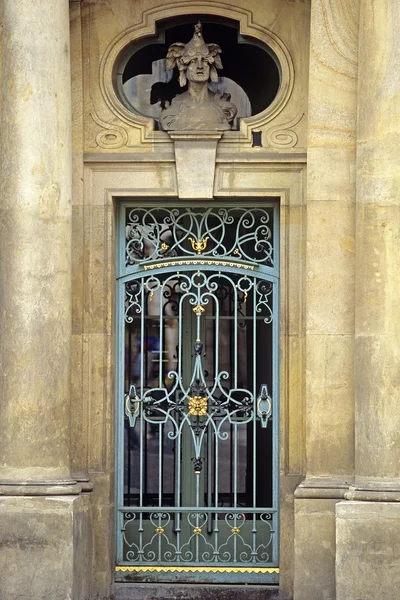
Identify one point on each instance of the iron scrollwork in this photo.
(227, 544)
(241, 233)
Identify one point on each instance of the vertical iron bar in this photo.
(209, 474)
(275, 418)
(161, 384)
(235, 341)
(128, 429)
(178, 457)
(159, 538)
(235, 465)
(120, 353)
(142, 428)
(254, 440)
(231, 465)
(197, 514)
(160, 464)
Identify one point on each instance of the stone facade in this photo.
(329, 153)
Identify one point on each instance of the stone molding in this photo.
(320, 489)
(374, 493)
(40, 488)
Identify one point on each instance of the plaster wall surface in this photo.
(339, 283)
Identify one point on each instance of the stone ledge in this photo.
(179, 591)
(45, 487)
(322, 489)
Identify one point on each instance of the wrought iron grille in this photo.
(197, 385)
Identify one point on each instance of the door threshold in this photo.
(181, 591)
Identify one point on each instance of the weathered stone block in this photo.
(314, 561)
(44, 548)
(367, 550)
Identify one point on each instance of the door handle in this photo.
(132, 405)
(264, 405)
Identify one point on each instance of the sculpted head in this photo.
(198, 108)
(198, 70)
(196, 60)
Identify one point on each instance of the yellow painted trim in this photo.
(150, 569)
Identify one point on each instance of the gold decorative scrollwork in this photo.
(198, 406)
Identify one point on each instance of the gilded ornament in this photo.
(198, 309)
(217, 263)
(197, 531)
(235, 530)
(128, 569)
(198, 406)
(159, 530)
(199, 245)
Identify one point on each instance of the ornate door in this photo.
(198, 389)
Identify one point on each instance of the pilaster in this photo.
(35, 245)
(378, 248)
(367, 524)
(44, 521)
(329, 293)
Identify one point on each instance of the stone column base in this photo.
(314, 550)
(368, 550)
(45, 547)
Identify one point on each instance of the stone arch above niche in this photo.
(138, 37)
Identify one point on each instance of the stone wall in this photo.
(329, 153)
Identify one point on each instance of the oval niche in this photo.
(251, 74)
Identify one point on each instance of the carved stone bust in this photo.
(198, 109)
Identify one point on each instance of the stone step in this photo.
(178, 591)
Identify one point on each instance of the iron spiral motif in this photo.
(240, 233)
(191, 542)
